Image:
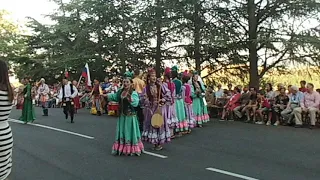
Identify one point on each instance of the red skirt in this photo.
(113, 106)
(20, 101)
(76, 101)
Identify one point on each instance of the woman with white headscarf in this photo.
(199, 103)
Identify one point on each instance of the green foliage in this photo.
(12, 43)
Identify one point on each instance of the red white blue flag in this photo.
(86, 74)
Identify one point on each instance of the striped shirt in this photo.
(6, 141)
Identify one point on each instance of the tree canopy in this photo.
(243, 38)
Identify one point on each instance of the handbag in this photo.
(157, 119)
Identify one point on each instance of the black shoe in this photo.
(72, 121)
(312, 126)
(298, 126)
(66, 115)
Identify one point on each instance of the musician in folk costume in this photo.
(182, 126)
(96, 94)
(43, 92)
(199, 104)
(186, 95)
(128, 137)
(155, 96)
(171, 116)
(67, 94)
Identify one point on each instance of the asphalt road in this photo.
(219, 151)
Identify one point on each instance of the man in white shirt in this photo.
(66, 95)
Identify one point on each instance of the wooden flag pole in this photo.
(79, 81)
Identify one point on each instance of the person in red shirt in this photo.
(303, 88)
(263, 107)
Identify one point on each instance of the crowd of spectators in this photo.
(267, 106)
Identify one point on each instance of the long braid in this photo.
(150, 97)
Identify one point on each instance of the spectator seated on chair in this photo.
(244, 100)
(252, 105)
(280, 103)
(232, 103)
(263, 107)
(294, 101)
(309, 104)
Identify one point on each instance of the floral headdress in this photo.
(186, 74)
(151, 71)
(167, 71)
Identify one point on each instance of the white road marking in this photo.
(156, 155)
(80, 135)
(231, 174)
(52, 128)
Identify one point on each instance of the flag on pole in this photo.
(86, 74)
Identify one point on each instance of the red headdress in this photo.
(151, 71)
(167, 71)
(186, 74)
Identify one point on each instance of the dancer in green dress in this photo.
(182, 127)
(199, 104)
(128, 137)
(28, 113)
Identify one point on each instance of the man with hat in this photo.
(43, 92)
(67, 92)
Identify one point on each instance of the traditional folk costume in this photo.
(151, 103)
(182, 126)
(139, 85)
(105, 88)
(67, 94)
(171, 115)
(28, 112)
(199, 104)
(113, 106)
(34, 94)
(186, 94)
(76, 99)
(20, 97)
(128, 137)
(43, 92)
(96, 94)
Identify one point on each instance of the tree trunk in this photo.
(196, 33)
(122, 50)
(159, 40)
(253, 57)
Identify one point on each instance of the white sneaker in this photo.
(268, 123)
(276, 123)
(260, 122)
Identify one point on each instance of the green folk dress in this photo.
(28, 112)
(182, 124)
(199, 107)
(128, 137)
